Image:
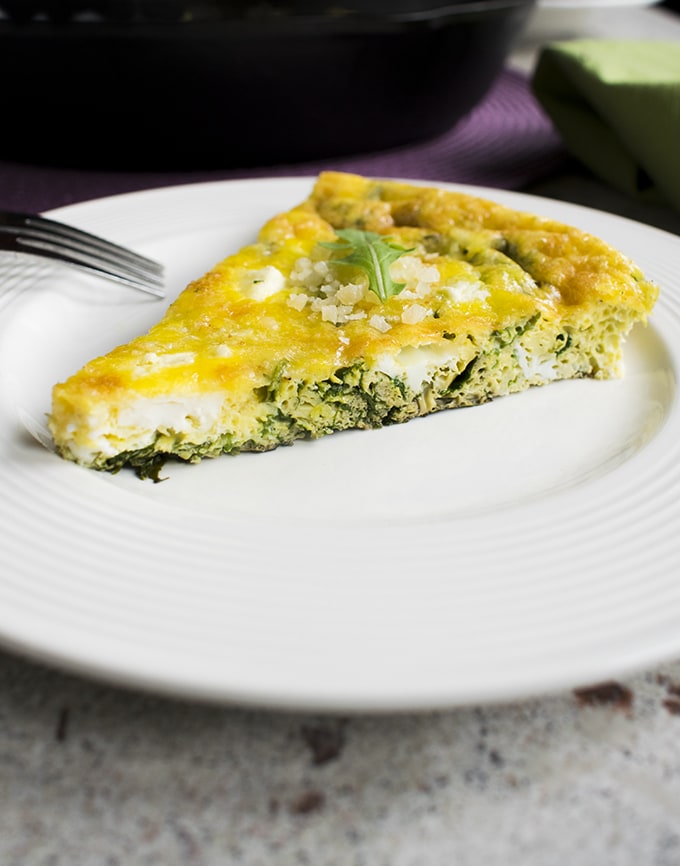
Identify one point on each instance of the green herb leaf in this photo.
(374, 254)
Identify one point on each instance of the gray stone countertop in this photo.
(92, 775)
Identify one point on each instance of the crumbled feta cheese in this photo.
(298, 300)
(301, 270)
(412, 270)
(223, 351)
(317, 283)
(350, 293)
(413, 314)
(329, 313)
(380, 323)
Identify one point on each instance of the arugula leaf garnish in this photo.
(374, 254)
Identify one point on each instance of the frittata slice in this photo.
(371, 303)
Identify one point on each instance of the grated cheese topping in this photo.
(316, 283)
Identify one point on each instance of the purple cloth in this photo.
(506, 142)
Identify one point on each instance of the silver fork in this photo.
(46, 238)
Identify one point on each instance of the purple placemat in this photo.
(506, 142)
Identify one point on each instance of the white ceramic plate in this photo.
(486, 554)
(592, 4)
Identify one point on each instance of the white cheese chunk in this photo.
(152, 362)
(466, 291)
(263, 283)
(415, 365)
(136, 423)
(533, 368)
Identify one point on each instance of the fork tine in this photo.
(90, 241)
(103, 255)
(61, 254)
(79, 236)
(54, 240)
(150, 284)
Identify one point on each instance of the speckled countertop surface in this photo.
(92, 775)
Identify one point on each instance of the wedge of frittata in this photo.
(370, 303)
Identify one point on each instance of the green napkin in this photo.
(617, 106)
